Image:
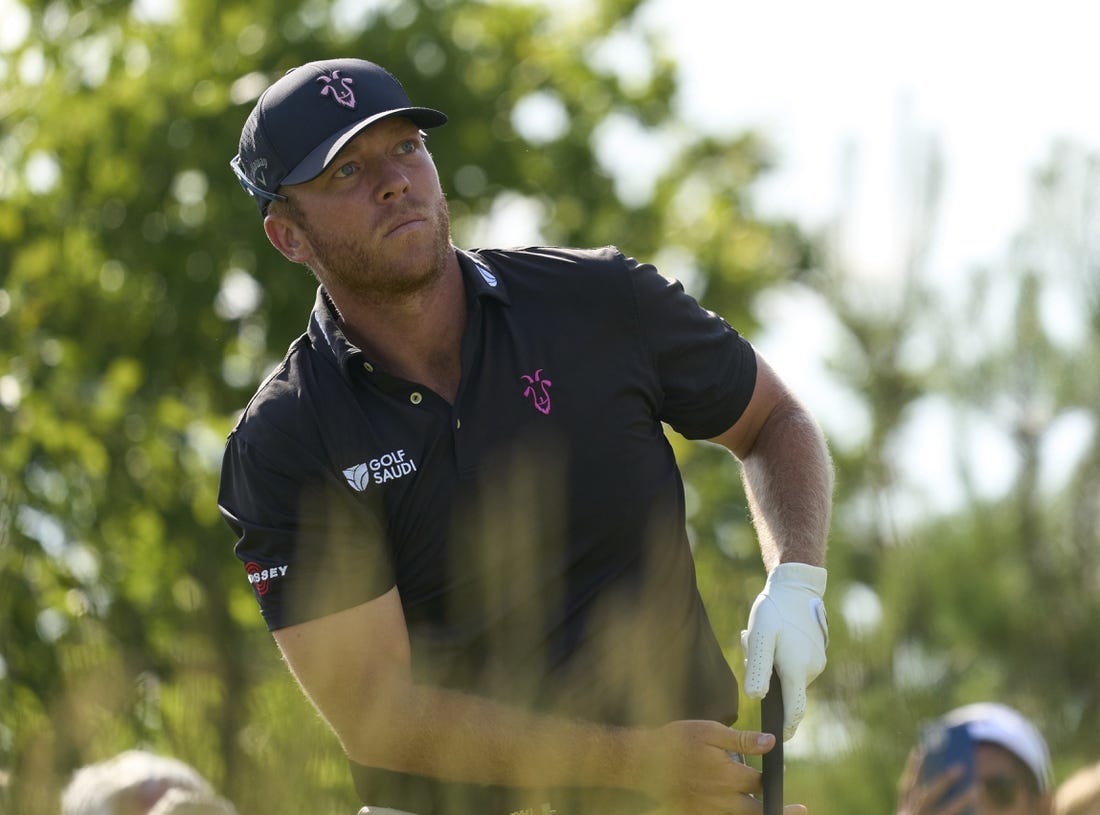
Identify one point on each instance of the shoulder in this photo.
(275, 407)
(570, 272)
(553, 258)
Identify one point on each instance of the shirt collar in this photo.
(328, 337)
(480, 277)
(325, 333)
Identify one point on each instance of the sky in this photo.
(996, 84)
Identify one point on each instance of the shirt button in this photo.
(458, 424)
(368, 367)
(416, 398)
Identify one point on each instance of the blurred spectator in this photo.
(1012, 769)
(137, 782)
(1080, 793)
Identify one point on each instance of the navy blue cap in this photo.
(300, 123)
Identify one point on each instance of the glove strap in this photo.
(813, 577)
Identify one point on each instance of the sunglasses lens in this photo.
(1000, 790)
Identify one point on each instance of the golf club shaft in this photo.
(771, 721)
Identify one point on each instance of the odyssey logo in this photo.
(392, 465)
(260, 578)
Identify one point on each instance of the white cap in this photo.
(95, 789)
(1001, 725)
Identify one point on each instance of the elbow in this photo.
(378, 732)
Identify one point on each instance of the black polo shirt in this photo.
(535, 528)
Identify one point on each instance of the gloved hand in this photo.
(788, 631)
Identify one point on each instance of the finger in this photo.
(937, 787)
(962, 804)
(752, 742)
(927, 799)
(940, 787)
(794, 705)
(759, 654)
(958, 805)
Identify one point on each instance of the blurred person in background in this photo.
(138, 782)
(1080, 793)
(1011, 766)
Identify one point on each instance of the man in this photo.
(1011, 769)
(137, 782)
(457, 506)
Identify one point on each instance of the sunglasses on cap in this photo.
(252, 189)
(1001, 790)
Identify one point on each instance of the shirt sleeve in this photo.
(310, 547)
(706, 369)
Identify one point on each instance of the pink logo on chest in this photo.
(539, 391)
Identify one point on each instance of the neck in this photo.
(418, 336)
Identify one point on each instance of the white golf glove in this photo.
(788, 631)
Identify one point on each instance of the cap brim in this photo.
(322, 155)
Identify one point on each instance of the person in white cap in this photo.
(1011, 768)
(138, 782)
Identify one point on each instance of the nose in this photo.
(393, 182)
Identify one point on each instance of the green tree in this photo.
(994, 596)
(140, 305)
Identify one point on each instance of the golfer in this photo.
(457, 507)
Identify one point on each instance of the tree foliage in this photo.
(993, 597)
(140, 305)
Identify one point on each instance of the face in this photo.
(1005, 785)
(374, 224)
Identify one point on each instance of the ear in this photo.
(288, 237)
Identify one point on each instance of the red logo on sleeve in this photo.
(260, 578)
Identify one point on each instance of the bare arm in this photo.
(355, 668)
(787, 472)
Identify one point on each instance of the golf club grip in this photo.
(771, 721)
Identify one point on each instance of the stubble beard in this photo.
(352, 266)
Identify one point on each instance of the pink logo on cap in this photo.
(343, 95)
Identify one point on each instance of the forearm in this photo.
(385, 719)
(455, 736)
(788, 479)
(450, 735)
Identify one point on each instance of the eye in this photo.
(408, 146)
(345, 171)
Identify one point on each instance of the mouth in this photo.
(405, 224)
